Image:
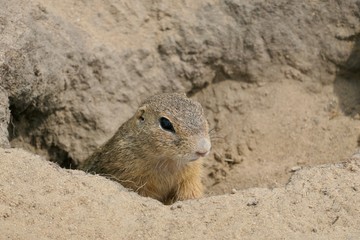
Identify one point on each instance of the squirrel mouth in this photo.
(198, 155)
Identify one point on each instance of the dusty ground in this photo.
(279, 126)
(280, 90)
(41, 200)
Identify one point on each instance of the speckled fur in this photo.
(151, 161)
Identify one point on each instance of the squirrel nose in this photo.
(203, 147)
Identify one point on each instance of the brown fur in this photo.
(152, 161)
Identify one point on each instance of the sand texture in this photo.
(279, 82)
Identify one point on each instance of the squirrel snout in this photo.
(203, 147)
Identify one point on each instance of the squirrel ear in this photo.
(140, 113)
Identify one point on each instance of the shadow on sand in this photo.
(347, 82)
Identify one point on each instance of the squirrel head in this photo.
(173, 127)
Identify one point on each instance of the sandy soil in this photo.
(41, 200)
(280, 90)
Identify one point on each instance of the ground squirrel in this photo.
(156, 152)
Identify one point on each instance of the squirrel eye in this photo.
(166, 124)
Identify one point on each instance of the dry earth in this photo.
(279, 81)
(40, 200)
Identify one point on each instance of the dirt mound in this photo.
(41, 199)
(279, 82)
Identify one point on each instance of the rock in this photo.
(74, 73)
(4, 119)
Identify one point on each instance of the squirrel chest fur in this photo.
(157, 152)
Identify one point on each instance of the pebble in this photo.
(173, 207)
(295, 169)
(253, 202)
